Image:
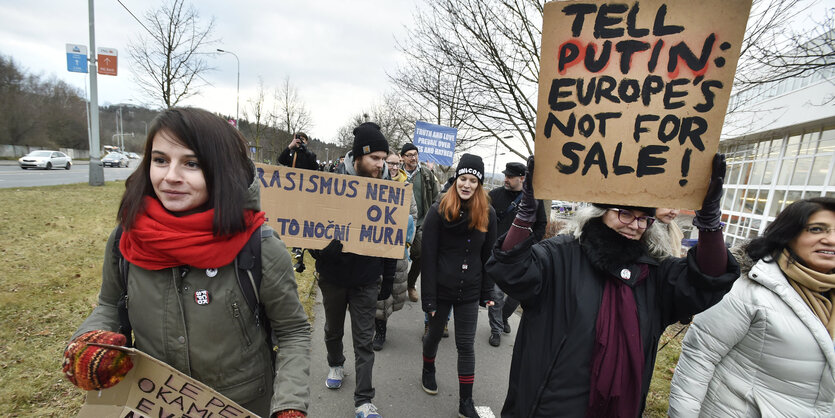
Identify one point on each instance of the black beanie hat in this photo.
(648, 211)
(408, 147)
(367, 139)
(470, 164)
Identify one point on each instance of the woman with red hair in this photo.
(458, 234)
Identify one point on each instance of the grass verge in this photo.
(51, 247)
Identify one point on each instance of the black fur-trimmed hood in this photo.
(609, 251)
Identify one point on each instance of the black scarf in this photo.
(608, 250)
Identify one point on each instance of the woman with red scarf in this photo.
(187, 211)
(596, 302)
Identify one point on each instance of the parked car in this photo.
(561, 206)
(45, 159)
(115, 159)
(133, 156)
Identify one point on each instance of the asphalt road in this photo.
(397, 370)
(11, 175)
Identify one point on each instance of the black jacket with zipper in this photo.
(452, 263)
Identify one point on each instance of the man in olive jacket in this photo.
(425, 188)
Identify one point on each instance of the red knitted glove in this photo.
(91, 367)
(289, 413)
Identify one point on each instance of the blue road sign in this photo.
(76, 58)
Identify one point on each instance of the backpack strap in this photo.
(125, 327)
(249, 271)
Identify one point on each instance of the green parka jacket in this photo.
(217, 343)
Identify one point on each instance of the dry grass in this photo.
(51, 245)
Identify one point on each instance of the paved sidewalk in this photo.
(397, 370)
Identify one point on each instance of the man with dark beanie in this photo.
(350, 281)
(505, 200)
(425, 188)
(597, 301)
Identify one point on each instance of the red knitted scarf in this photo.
(159, 240)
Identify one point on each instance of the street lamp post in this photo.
(495, 153)
(238, 94)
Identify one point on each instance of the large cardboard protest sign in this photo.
(632, 97)
(435, 143)
(310, 208)
(154, 389)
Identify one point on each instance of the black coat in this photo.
(304, 158)
(561, 291)
(501, 200)
(447, 248)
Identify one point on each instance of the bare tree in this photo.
(290, 113)
(170, 57)
(474, 64)
(395, 121)
(257, 108)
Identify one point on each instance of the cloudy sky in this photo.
(336, 53)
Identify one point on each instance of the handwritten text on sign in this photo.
(633, 96)
(311, 208)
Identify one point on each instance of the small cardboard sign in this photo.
(632, 97)
(154, 389)
(310, 208)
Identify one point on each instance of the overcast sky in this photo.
(336, 53)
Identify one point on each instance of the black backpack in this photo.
(248, 273)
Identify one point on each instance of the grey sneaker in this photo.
(335, 376)
(367, 410)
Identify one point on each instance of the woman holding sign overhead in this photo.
(596, 302)
(458, 233)
(190, 240)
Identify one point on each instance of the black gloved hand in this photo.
(708, 218)
(385, 289)
(527, 206)
(333, 250)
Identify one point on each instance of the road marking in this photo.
(484, 412)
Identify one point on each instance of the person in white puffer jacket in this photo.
(767, 348)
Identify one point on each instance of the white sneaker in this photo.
(335, 376)
(367, 410)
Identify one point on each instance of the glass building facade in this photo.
(772, 168)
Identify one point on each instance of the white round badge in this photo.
(211, 272)
(625, 274)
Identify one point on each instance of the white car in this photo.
(45, 159)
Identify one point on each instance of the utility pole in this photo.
(96, 176)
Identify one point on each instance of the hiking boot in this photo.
(413, 295)
(505, 326)
(428, 382)
(495, 339)
(466, 409)
(367, 410)
(299, 267)
(380, 336)
(335, 376)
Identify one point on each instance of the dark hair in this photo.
(786, 227)
(222, 154)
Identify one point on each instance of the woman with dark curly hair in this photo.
(766, 349)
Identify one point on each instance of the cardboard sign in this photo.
(435, 143)
(310, 208)
(154, 389)
(632, 97)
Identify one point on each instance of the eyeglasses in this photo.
(395, 164)
(626, 217)
(411, 155)
(818, 229)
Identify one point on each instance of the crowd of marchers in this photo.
(193, 277)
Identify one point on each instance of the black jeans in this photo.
(361, 302)
(498, 313)
(466, 318)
